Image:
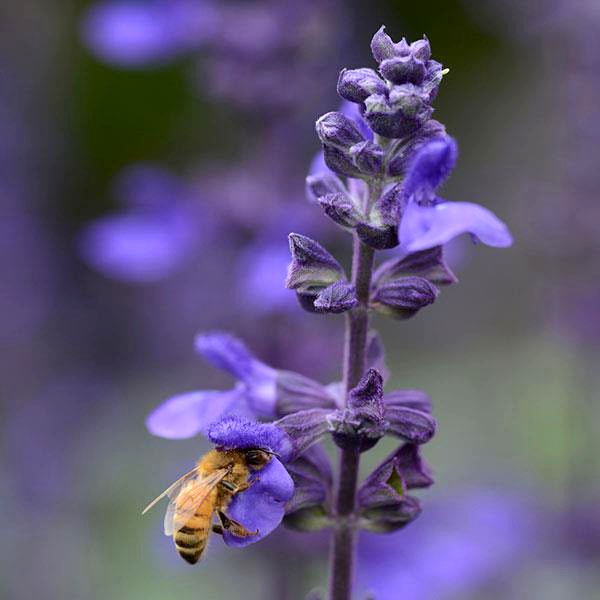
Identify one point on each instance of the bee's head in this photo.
(257, 458)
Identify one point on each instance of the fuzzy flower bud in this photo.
(311, 266)
(402, 113)
(368, 157)
(382, 46)
(403, 298)
(336, 298)
(356, 85)
(337, 130)
(403, 69)
(340, 209)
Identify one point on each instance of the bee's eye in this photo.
(255, 457)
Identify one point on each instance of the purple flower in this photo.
(151, 236)
(262, 506)
(429, 220)
(133, 33)
(254, 393)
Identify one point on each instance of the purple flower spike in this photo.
(261, 507)
(133, 34)
(430, 221)
(186, 415)
(239, 432)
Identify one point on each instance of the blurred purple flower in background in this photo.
(156, 231)
(467, 540)
(147, 33)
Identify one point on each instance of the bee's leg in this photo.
(233, 526)
(236, 489)
(218, 529)
(244, 486)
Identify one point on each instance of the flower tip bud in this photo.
(382, 46)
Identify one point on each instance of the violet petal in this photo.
(185, 415)
(262, 506)
(424, 227)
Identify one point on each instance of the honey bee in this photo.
(205, 491)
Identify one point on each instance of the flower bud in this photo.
(421, 49)
(311, 473)
(340, 209)
(340, 161)
(368, 157)
(356, 85)
(362, 423)
(409, 424)
(416, 399)
(403, 69)
(337, 298)
(429, 264)
(336, 129)
(403, 298)
(390, 517)
(382, 497)
(381, 230)
(322, 184)
(403, 113)
(312, 266)
(382, 46)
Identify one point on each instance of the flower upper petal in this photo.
(424, 227)
(261, 507)
(185, 415)
(431, 165)
(230, 354)
(238, 432)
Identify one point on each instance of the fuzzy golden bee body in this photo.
(206, 491)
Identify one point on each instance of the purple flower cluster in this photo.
(384, 164)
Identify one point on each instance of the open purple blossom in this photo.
(428, 220)
(154, 233)
(262, 506)
(253, 395)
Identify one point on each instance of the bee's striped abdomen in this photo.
(192, 538)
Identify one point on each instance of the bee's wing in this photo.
(181, 510)
(172, 490)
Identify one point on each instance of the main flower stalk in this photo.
(357, 326)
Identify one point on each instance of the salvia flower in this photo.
(188, 414)
(262, 506)
(428, 220)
